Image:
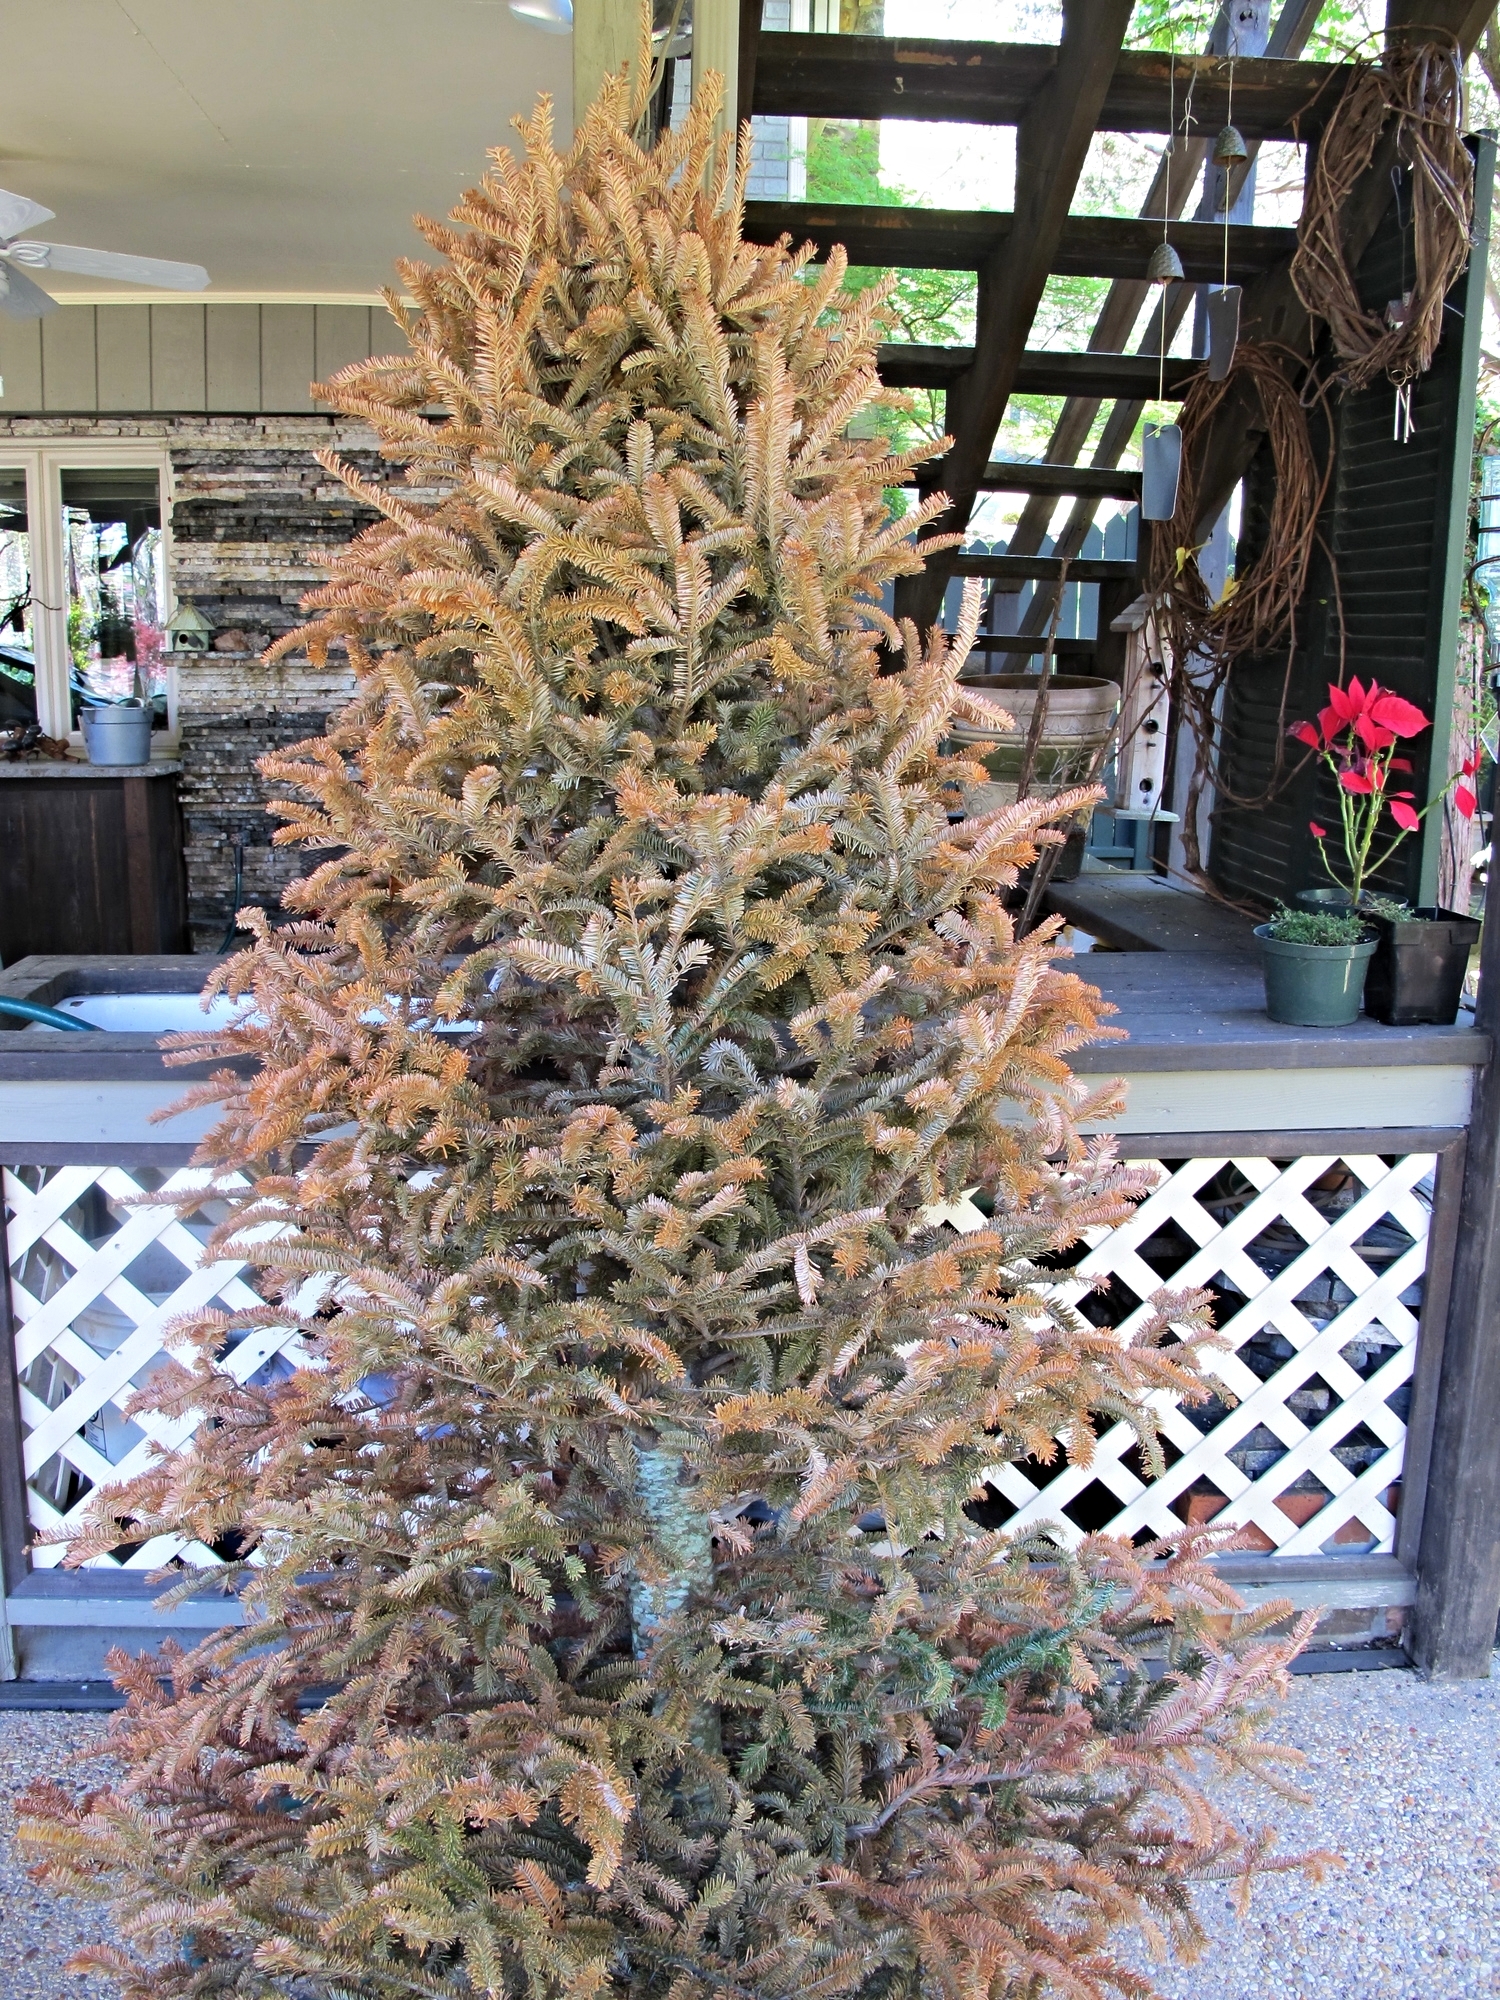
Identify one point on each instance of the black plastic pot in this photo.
(1331, 900)
(1417, 973)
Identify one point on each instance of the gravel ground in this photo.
(39, 1932)
(1406, 1779)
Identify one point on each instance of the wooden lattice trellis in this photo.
(1316, 1264)
(98, 1273)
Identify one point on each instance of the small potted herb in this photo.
(1417, 972)
(1315, 963)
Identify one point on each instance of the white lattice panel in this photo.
(99, 1271)
(1315, 1265)
(1309, 1261)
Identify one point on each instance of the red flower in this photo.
(1465, 800)
(1471, 765)
(1355, 781)
(1398, 764)
(1393, 712)
(1304, 732)
(1345, 704)
(1373, 714)
(1371, 734)
(1404, 816)
(1318, 832)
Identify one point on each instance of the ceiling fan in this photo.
(23, 300)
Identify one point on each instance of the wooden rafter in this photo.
(965, 239)
(995, 83)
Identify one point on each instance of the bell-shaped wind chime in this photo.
(1224, 301)
(1161, 444)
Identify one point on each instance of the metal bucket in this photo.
(119, 734)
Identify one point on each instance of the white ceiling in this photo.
(284, 144)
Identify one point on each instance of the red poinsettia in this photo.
(1356, 737)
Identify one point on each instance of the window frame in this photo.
(43, 464)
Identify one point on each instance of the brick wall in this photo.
(253, 518)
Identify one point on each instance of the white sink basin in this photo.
(146, 1013)
(166, 1013)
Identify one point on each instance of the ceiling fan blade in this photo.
(18, 212)
(19, 297)
(156, 271)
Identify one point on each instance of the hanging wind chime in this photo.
(1161, 444)
(1224, 302)
(1403, 424)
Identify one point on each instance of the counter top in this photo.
(20, 767)
(1207, 1010)
(1186, 1010)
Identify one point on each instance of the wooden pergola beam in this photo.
(1052, 143)
(995, 83)
(1240, 31)
(966, 239)
(1042, 372)
(1060, 481)
(1014, 571)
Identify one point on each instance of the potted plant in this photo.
(1417, 971)
(1315, 963)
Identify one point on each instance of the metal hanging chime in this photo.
(1229, 152)
(1161, 444)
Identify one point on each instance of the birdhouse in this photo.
(188, 631)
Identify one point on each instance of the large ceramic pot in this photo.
(1417, 973)
(117, 734)
(1078, 723)
(1313, 985)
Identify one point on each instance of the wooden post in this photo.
(716, 46)
(15, 1526)
(1452, 1633)
(606, 34)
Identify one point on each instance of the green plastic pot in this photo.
(1313, 985)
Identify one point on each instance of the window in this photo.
(84, 593)
(112, 554)
(17, 654)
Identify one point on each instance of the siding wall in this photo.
(254, 518)
(250, 360)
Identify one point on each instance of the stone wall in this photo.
(253, 517)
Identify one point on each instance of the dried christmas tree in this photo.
(621, 1623)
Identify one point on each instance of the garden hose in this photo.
(31, 1010)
